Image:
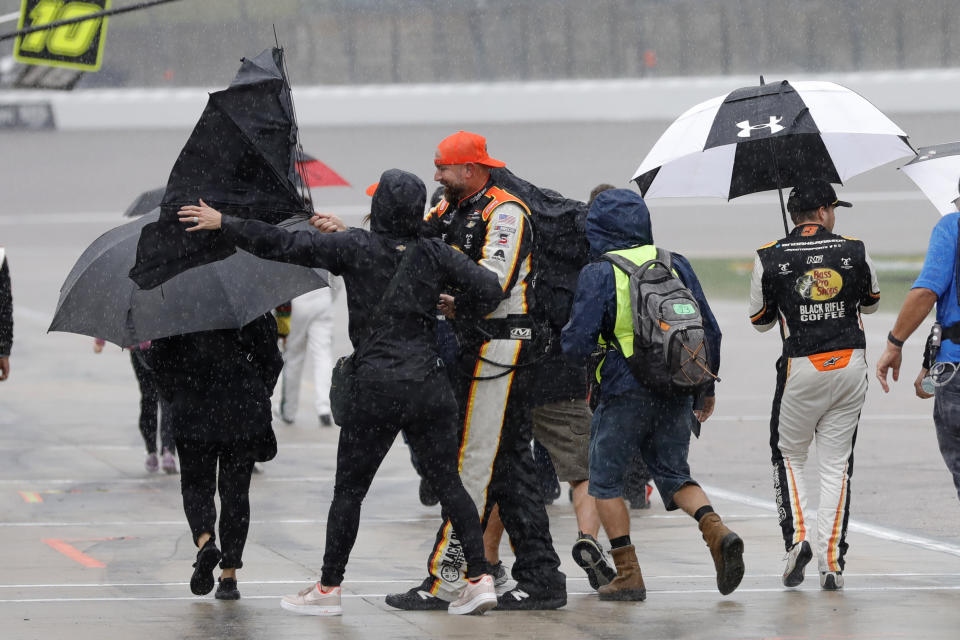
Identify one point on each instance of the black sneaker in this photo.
(518, 599)
(201, 582)
(427, 496)
(227, 589)
(417, 599)
(588, 553)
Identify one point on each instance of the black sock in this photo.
(702, 511)
(622, 541)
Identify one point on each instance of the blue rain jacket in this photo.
(619, 219)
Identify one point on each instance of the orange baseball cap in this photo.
(463, 147)
(372, 189)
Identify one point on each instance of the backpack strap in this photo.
(627, 266)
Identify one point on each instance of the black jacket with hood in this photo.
(396, 341)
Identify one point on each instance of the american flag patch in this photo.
(507, 219)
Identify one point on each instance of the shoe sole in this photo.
(311, 609)
(587, 557)
(731, 573)
(625, 595)
(219, 596)
(528, 605)
(795, 577)
(423, 605)
(201, 582)
(482, 603)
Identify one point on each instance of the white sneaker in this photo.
(797, 558)
(313, 602)
(477, 597)
(831, 580)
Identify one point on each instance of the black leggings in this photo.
(427, 413)
(148, 408)
(198, 483)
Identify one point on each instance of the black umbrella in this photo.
(240, 158)
(98, 298)
(767, 137)
(145, 203)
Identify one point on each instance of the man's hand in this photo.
(918, 386)
(203, 217)
(97, 346)
(703, 414)
(447, 306)
(327, 222)
(891, 358)
(4, 367)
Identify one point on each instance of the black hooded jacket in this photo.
(395, 341)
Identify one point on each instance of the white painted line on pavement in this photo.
(348, 583)
(435, 518)
(345, 596)
(882, 533)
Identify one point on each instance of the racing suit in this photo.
(493, 388)
(815, 284)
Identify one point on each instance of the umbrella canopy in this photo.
(317, 174)
(240, 158)
(769, 137)
(313, 172)
(98, 298)
(145, 203)
(936, 170)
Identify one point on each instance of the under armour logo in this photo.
(746, 127)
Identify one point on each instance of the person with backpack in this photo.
(815, 284)
(489, 224)
(394, 380)
(650, 383)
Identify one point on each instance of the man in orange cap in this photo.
(491, 226)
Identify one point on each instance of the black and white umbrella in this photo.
(770, 136)
(936, 170)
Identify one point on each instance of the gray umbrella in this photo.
(145, 202)
(99, 299)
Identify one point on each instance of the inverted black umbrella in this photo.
(767, 137)
(98, 298)
(241, 159)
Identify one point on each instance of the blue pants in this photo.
(657, 427)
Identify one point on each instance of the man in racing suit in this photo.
(815, 284)
(491, 226)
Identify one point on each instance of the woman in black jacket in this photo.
(218, 385)
(398, 379)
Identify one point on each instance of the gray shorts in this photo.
(564, 429)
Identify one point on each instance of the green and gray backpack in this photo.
(669, 341)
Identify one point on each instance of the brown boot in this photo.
(628, 585)
(726, 547)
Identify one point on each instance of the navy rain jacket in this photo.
(619, 219)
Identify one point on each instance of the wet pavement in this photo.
(92, 545)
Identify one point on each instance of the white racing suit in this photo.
(311, 331)
(815, 284)
(495, 462)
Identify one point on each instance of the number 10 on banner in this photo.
(78, 45)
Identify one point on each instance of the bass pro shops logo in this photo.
(746, 128)
(819, 284)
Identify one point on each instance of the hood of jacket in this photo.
(397, 206)
(618, 219)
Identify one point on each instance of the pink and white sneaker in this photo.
(478, 596)
(313, 601)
